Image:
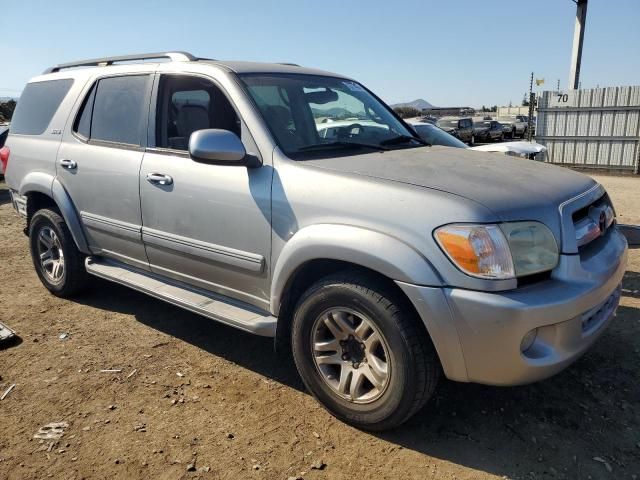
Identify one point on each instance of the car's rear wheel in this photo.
(361, 352)
(58, 262)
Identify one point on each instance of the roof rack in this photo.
(289, 64)
(172, 56)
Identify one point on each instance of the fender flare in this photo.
(375, 250)
(49, 185)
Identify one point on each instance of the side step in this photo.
(216, 307)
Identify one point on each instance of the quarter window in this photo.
(37, 106)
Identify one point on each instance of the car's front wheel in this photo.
(58, 263)
(361, 352)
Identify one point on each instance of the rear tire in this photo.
(361, 352)
(58, 262)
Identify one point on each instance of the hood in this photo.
(514, 189)
(521, 148)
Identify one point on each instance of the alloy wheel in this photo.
(351, 355)
(50, 254)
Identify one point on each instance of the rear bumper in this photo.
(480, 339)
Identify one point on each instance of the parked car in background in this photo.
(461, 128)
(4, 133)
(522, 149)
(487, 131)
(339, 130)
(4, 152)
(436, 136)
(379, 261)
(513, 126)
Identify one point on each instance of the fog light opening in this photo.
(528, 340)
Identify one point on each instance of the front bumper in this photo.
(478, 335)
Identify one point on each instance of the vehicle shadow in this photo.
(4, 193)
(499, 430)
(249, 351)
(631, 284)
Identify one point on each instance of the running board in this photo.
(210, 305)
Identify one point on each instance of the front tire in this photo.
(361, 352)
(58, 262)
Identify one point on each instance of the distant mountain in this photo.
(419, 104)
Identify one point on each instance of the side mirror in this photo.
(216, 146)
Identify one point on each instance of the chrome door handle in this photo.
(68, 164)
(159, 179)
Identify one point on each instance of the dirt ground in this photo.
(190, 392)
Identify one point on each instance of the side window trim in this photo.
(106, 143)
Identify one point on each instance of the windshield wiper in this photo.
(322, 146)
(403, 139)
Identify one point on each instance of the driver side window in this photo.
(187, 104)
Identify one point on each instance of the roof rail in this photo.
(94, 62)
(289, 64)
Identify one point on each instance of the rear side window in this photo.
(119, 110)
(37, 105)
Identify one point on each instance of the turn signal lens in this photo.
(478, 250)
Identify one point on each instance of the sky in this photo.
(449, 52)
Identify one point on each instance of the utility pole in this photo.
(578, 38)
(532, 100)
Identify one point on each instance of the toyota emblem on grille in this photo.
(602, 222)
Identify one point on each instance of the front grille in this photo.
(593, 221)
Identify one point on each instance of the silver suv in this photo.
(293, 203)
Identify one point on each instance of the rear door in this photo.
(99, 162)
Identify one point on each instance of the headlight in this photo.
(502, 251)
(533, 247)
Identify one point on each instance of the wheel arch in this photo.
(376, 251)
(43, 190)
(315, 252)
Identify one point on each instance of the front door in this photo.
(206, 225)
(99, 162)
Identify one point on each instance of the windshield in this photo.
(312, 113)
(447, 123)
(436, 136)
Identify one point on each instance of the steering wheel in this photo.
(347, 131)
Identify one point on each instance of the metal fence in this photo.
(591, 128)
